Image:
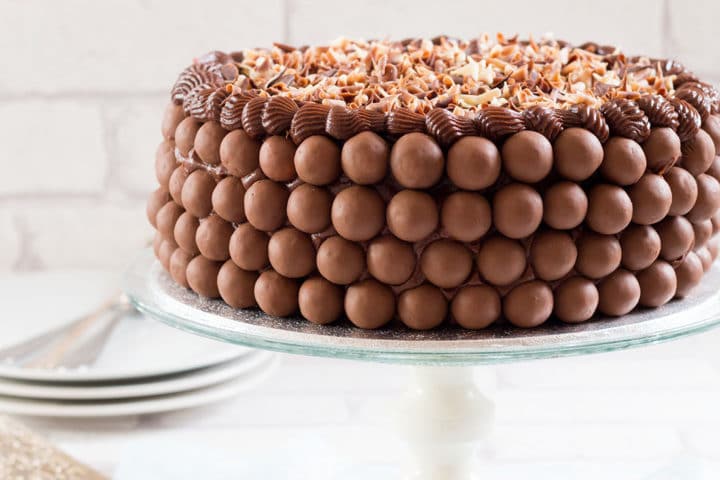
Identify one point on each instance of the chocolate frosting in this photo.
(544, 120)
(587, 117)
(659, 111)
(695, 95)
(626, 119)
(689, 120)
(278, 114)
(252, 117)
(447, 127)
(497, 123)
(309, 120)
(343, 123)
(232, 109)
(402, 121)
(194, 76)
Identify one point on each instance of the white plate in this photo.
(33, 303)
(158, 404)
(158, 386)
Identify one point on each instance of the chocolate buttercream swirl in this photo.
(342, 123)
(194, 76)
(544, 120)
(585, 116)
(214, 104)
(231, 113)
(195, 100)
(689, 120)
(496, 123)
(278, 115)
(376, 121)
(309, 120)
(683, 78)
(659, 111)
(403, 120)
(447, 127)
(252, 117)
(695, 95)
(626, 119)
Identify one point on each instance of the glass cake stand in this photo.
(444, 412)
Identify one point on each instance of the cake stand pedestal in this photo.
(443, 413)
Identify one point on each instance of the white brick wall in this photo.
(83, 85)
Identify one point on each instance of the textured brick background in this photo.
(83, 83)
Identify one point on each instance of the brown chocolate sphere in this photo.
(641, 246)
(662, 149)
(529, 304)
(369, 304)
(422, 308)
(207, 142)
(517, 210)
(466, 216)
(714, 170)
(702, 232)
(658, 284)
(527, 156)
(358, 213)
(249, 247)
(476, 306)
(416, 161)
(501, 261)
(564, 205)
(185, 231)
(265, 203)
(412, 215)
(578, 153)
(705, 258)
(340, 261)
(364, 158)
(712, 126)
(689, 273)
(166, 218)
(202, 276)
(677, 236)
(598, 255)
(276, 295)
(308, 208)
(155, 202)
(446, 263)
(185, 135)
(683, 188)
(236, 286)
(176, 184)
(227, 199)
(239, 153)
(179, 261)
(156, 244)
(390, 260)
(609, 209)
(708, 199)
(552, 254)
(291, 253)
(698, 153)
(651, 199)
(172, 116)
(164, 254)
(576, 300)
(165, 163)
(317, 160)
(213, 238)
(473, 163)
(713, 247)
(624, 161)
(320, 301)
(619, 293)
(197, 193)
(277, 158)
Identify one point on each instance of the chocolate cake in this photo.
(439, 182)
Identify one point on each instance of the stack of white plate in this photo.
(142, 367)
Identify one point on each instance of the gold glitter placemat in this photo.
(24, 455)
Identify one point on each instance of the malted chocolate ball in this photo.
(446, 263)
(308, 208)
(390, 260)
(416, 161)
(239, 153)
(176, 183)
(165, 163)
(197, 193)
(265, 203)
(358, 213)
(277, 158)
(624, 162)
(713, 247)
(156, 244)
(317, 160)
(473, 163)
(529, 304)
(683, 188)
(236, 286)
(610, 209)
(185, 135)
(185, 231)
(202, 276)
(517, 210)
(155, 202)
(714, 170)
(179, 261)
(712, 126)
(227, 199)
(619, 293)
(291, 253)
(172, 116)
(166, 218)
(641, 246)
(412, 215)
(708, 200)
(165, 252)
(702, 231)
(466, 216)
(276, 295)
(689, 273)
(249, 247)
(705, 258)
(576, 300)
(578, 153)
(658, 284)
(422, 308)
(213, 238)
(564, 205)
(598, 255)
(369, 304)
(677, 236)
(651, 199)
(527, 156)
(320, 301)
(365, 157)
(476, 306)
(501, 261)
(698, 153)
(207, 142)
(552, 254)
(662, 149)
(340, 261)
